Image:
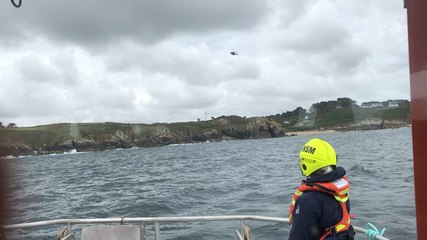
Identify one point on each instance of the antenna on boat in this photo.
(17, 5)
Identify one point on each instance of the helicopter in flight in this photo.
(234, 53)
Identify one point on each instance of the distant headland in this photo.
(342, 114)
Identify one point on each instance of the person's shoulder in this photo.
(312, 196)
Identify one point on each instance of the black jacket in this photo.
(315, 211)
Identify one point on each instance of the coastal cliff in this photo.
(337, 115)
(60, 138)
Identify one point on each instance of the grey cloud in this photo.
(178, 95)
(291, 11)
(31, 100)
(33, 68)
(196, 65)
(346, 58)
(58, 68)
(315, 36)
(157, 60)
(65, 63)
(100, 21)
(102, 94)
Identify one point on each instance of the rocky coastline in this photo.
(66, 137)
(115, 135)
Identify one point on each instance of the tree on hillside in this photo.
(403, 102)
(346, 102)
(399, 102)
(11, 125)
(299, 111)
(1, 125)
(322, 108)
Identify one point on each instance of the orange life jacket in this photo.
(339, 189)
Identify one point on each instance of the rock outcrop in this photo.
(372, 124)
(60, 138)
(115, 135)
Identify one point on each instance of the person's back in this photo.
(320, 207)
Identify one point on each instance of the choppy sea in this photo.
(253, 177)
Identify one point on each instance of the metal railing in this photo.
(157, 220)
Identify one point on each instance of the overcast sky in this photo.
(145, 61)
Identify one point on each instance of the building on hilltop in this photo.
(392, 104)
(372, 104)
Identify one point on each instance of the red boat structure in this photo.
(417, 41)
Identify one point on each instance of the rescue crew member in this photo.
(320, 207)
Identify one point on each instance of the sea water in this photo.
(250, 177)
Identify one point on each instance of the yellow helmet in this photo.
(316, 154)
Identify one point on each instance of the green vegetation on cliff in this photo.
(340, 114)
(345, 114)
(59, 138)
